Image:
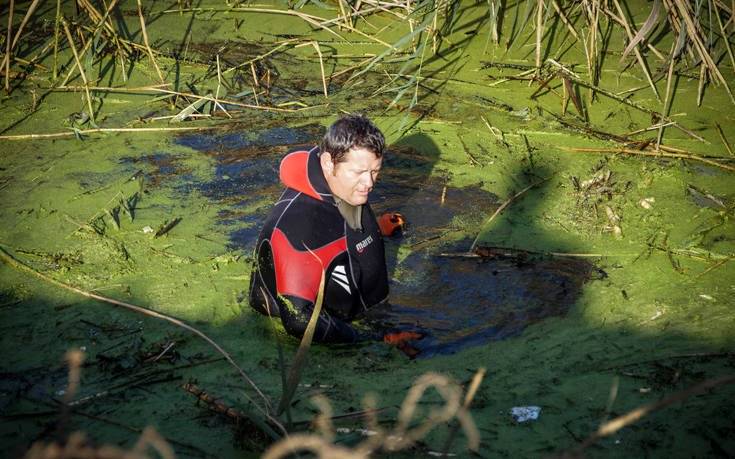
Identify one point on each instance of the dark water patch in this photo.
(158, 168)
(703, 198)
(272, 137)
(460, 302)
(245, 176)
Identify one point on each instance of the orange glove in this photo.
(401, 337)
(390, 222)
(400, 340)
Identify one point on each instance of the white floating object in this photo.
(647, 203)
(525, 413)
(147, 230)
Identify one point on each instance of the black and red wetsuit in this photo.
(305, 224)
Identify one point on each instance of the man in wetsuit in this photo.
(323, 223)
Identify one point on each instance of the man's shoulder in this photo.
(311, 222)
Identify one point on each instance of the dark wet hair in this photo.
(351, 131)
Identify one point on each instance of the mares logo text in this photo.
(364, 243)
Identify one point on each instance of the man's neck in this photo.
(351, 214)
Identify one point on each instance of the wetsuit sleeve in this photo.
(296, 313)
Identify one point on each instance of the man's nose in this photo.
(368, 180)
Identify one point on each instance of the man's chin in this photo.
(358, 200)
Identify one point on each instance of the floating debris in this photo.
(525, 413)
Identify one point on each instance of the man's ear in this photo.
(326, 162)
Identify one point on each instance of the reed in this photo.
(73, 47)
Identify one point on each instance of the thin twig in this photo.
(56, 135)
(81, 70)
(724, 139)
(147, 44)
(659, 154)
(8, 47)
(637, 414)
(29, 13)
(502, 207)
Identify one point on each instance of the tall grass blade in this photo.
(647, 28)
(639, 57)
(726, 37)
(298, 363)
(8, 48)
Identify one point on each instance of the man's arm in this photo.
(295, 315)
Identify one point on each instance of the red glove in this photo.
(399, 340)
(390, 222)
(401, 337)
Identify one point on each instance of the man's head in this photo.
(351, 156)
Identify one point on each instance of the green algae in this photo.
(657, 323)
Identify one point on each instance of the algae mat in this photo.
(604, 286)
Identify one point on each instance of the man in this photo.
(323, 223)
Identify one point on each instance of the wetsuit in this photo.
(304, 234)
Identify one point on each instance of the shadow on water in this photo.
(456, 301)
(462, 301)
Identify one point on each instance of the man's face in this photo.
(352, 179)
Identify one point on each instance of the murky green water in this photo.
(568, 307)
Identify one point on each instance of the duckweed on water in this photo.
(608, 284)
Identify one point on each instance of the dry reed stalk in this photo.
(315, 44)
(7, 46)
(564, 19)
(294, 374)
(659, 154)
(313, 20)
(344, 16)
(636, 50)
(472, 433)
(702, 83)
(665, 111)
(97, 17)
(216, 95)
(12, 262)
(539, 32)
(162, 89)
(725, 36)
(55, 73)
(16, 37)
(358, 12)
(58, 135)
(614, 425)
(147, 44)
(81, 70)
(700, 45)
(255, 75)
(724, 139)
(99, 23)
(261, 57)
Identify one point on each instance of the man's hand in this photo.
(390, 222)
(401, 337)
(400, 340)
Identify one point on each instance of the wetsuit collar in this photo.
(302, 172)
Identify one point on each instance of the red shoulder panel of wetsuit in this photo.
(294, 173)
(299, 272)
